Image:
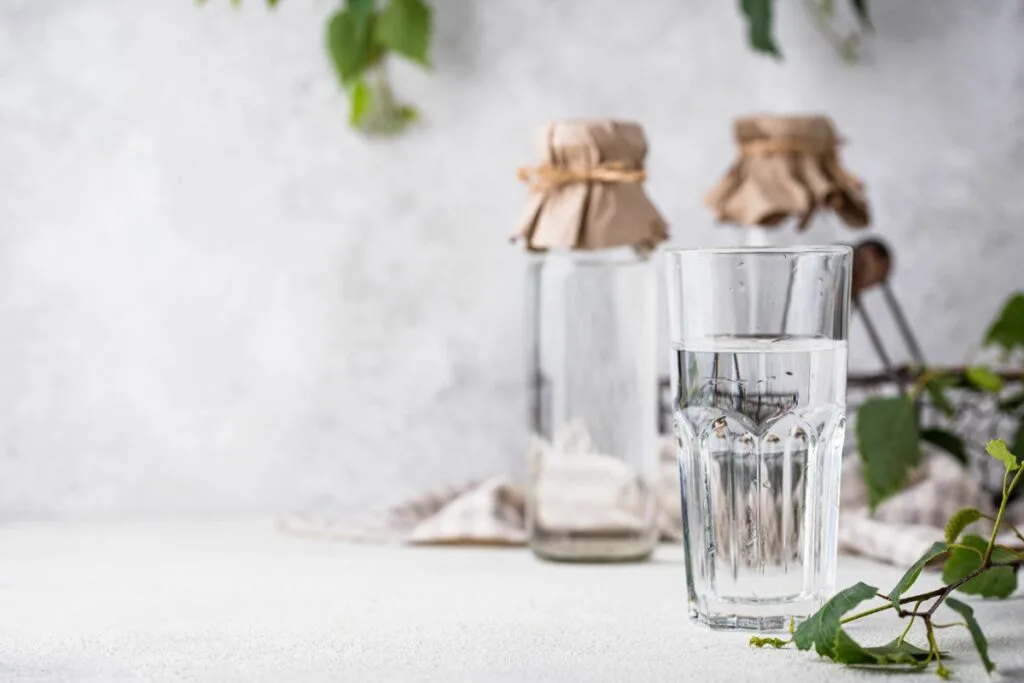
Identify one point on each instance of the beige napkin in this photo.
(905, 526)
(491, 511)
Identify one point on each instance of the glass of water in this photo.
(759, 384)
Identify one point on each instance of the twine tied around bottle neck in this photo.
(548, 177)
(770, 146)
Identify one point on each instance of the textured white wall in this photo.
(215, 297)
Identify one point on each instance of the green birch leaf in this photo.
(759, 26)
(960, 521)
(822, 628)
(895, 653)
(998, 450)
(914, 571)
(983, 378)
(997, 582)
(405, 27)
(1008, 329)
(947, 441)
(349, 39)
(888, 441)
(980, 642)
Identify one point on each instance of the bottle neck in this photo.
(598, 257)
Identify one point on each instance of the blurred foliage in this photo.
(760, 26)
(888, 429)
(360, 37)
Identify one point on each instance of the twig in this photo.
(913, 615)
(910, 373)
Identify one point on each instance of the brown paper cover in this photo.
(588, 213)
(788, 168)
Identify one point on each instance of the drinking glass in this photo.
(759, 387)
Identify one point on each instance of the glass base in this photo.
(589, 549)
(757, 617)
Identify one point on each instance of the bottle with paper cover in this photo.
(592, 463)
(788, 186)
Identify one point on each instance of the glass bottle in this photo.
(592, 489)
(593, 459)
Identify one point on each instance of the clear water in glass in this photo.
(760, 422)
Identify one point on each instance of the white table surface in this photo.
(239, 601)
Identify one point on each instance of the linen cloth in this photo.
(491, 512)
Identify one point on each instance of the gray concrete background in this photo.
(215, 297)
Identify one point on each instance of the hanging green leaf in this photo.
(350, 40)
(860, 8)
(960, 521)
(980, 642)
(888, 441)
(947, 441)
(984, 379)
(759, 26)
(911, 574)
(997, 582)
(405, 27)
(1008, 329)
(822, 628)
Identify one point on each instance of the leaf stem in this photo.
(1007, 490)
(950, 625)
(1012, 551)
(974, 550)
(866, 613)
(933, 646)
(922, 381)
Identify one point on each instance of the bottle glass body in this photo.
(593, 464)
